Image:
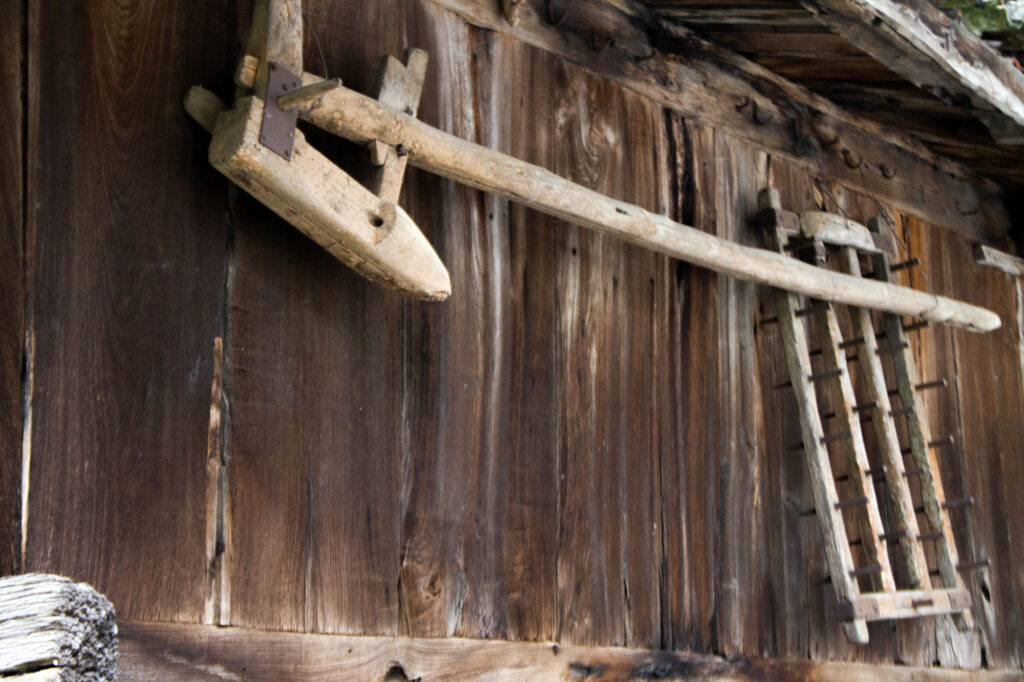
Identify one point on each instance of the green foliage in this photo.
(987, 17)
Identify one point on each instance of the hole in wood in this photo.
(376, 220)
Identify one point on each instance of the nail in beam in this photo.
(359, 118)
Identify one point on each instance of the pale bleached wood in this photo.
(901, 604)
(932, 494)
(308, 95)
(819, 464)
(49, 622)
(1008, 263)
(158, 651)
(916, 40)
(836, 230)
(875, 391)
(375, 237)
(398, 87)
(275, 36)
(349, 114)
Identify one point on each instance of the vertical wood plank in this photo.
(315, 381)
(741, 171)
(688, 455)
(12, 280)
(129, 239)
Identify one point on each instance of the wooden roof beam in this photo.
(938, 54)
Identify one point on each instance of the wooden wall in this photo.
(583, 445)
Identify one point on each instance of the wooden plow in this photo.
(257, 145)
(928, 592)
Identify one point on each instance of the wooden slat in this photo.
(875, 391)
(191, 652)
(12, 282)
(920, 435)
(127, 270)
(906, 604)
(1008, 263)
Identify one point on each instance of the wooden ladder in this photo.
(805, 236)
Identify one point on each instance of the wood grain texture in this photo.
(12, 280)
(177, 652)
(129, 240)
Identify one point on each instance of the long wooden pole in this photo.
(362, 119)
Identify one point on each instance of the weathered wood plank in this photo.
(127, 273)
(988, 381)
(12, 280)
(315, 382)
(915, 39)
(177, 652)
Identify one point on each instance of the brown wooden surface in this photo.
(182, 652)
(582, 445)
(128, 268)
(12, 282)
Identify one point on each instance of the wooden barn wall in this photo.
(583, 445)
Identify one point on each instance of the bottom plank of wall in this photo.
(198, 652)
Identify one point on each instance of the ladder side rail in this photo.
(876, 393)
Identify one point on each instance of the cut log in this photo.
(362, 119)
(54, 629)
(374, 237)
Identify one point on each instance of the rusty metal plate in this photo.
(277, 131)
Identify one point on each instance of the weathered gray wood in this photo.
(915, 39)
(48, 622)
(399, 88)
(362, 119)
(1008, 263)
(875, 392)
(195, 652)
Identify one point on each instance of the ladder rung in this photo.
(867, 570)
(916, 471)
(817, 351)
(852, 502)
(938, 383)
(922, 602)
(888, 350)
(972, 566)
(939, 442)
(850, 343)
(899, 412)
(925, 537)
(833, 437)
(866, 406)
(822, 376)
(951, 504)
(888, 538)
(867, 472)
(914, 326)
(903, 265)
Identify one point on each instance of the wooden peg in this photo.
(308, 94)
(895, 267)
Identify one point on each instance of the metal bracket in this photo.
(277, 131)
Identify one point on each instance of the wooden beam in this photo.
(712, 85)
(167, 652)
(916, 40)
(362, 119)
(1008, 263)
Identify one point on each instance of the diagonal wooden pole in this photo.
(362, 119)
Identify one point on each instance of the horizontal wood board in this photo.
(584, 445)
